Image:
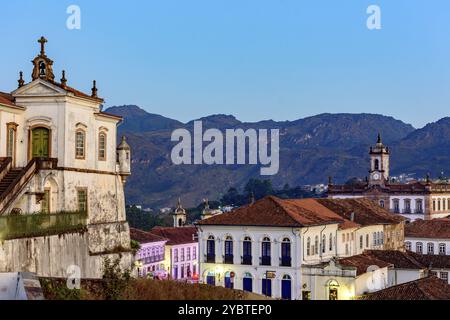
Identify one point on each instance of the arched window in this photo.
(331, 242)
(286, 252)
(408, 245)
(228, 250)
(247, 251)
(316, 245)
(80, 144)
(102, 146)
(308, 246)
(265, 252)
(377, 164)
(211, 250)
(442, 249)
(324, 243)
(419, 247)
(430, 248)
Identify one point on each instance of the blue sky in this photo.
(255, 59)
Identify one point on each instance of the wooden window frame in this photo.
(79, 189)
(13, 126)
(104, 158)
(83, 157)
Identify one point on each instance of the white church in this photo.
(62, 178)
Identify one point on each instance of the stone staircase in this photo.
(8, 179)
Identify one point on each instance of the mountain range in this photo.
(311, 150)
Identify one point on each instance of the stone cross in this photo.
(42, 41)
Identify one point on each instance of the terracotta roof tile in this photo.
(362, 263)
(430, 288)
(176, 236)
(145, 237)
(428, 229)
(399, 259)
(365, 212)
(272, 211)
(7, 99)
(77, 93)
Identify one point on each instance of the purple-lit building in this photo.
(150, 257)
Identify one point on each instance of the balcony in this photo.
(285, 262)
(210, 258)
(36, 225)
(246, 260)
(228, 259)
(153, 259)
(265, 261)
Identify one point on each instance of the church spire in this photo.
(21, 81)
(379, 138)
(63, 79)
(94, 89)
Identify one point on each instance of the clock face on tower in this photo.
(376, 176)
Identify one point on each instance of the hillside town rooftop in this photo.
(428, 229)
(177, 236)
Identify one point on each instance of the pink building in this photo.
(181, 252)
(151, 256)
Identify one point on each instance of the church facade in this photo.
(60, 163)
(421, 199)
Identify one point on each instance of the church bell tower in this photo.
(379, 163)
(179, 216)
(43, 66)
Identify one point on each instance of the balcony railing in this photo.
(285, 262)
(246, 260)
(265, 260)
(210, 258)
(228, 259)
(153, 259)
(35, 225)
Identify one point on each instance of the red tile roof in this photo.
(7, 99)
(77, 93)
(272, 211)
(430, 288)
(410, 260)
(145, 237)
(177, 236)
(428, 229)
(363, 211)
(362, 263)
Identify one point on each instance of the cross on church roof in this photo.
(42, 41)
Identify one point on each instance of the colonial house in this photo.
(62, 178)
(429, 288)
(263, 247)
(150, 256)
(408, 266)
(181, 253)
(428, 236)
(421, 199)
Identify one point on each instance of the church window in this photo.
(82, 200)
(11, 141)
(102, 146)
(80, 142)
(377, 164)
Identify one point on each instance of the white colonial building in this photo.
(62, 176)
(428, 236)
(416, 200)
(265, 247)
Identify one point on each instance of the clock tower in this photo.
(379, 163)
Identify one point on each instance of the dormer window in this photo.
(80, 144)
